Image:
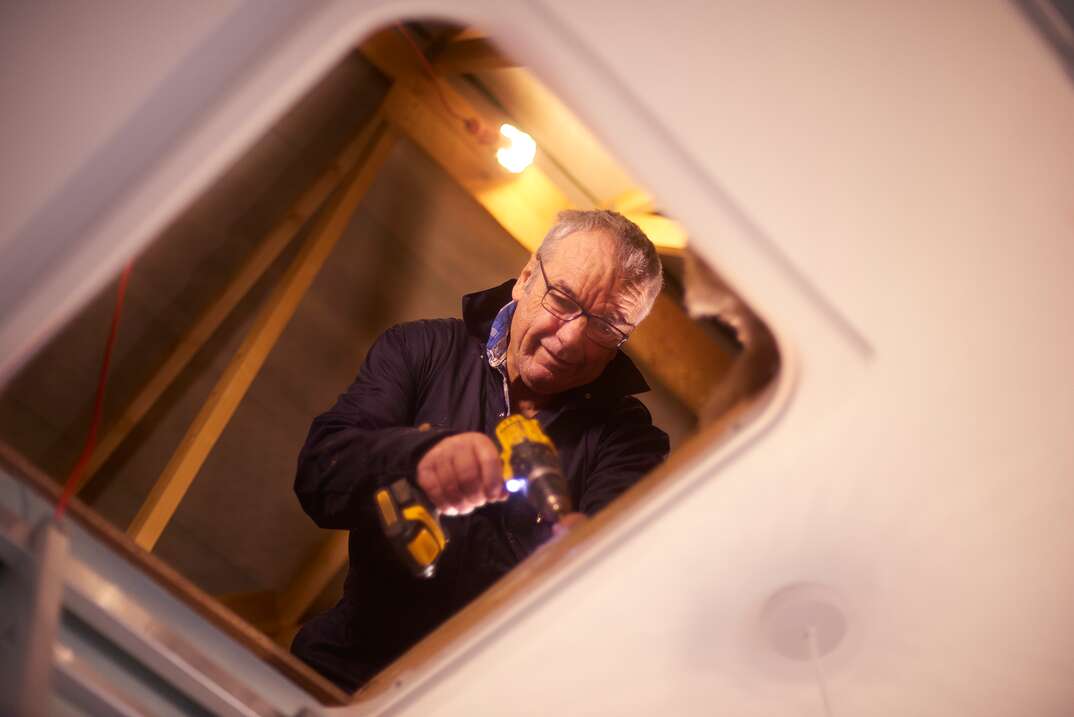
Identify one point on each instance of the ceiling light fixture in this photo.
(520, 150)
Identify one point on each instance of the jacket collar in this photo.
(620, 378)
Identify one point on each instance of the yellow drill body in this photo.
(530, 464)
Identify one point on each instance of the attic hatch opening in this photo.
(368, 203)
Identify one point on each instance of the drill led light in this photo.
(514, 485)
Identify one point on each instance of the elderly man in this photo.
(424, 405)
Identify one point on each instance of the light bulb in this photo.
(520, 151)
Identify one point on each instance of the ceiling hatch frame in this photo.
(304, 50)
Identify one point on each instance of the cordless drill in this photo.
(530, 466)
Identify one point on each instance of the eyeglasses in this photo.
(563, 307)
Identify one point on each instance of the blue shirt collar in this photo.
(499, 337)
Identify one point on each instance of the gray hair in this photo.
(639, 264)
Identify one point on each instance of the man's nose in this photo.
(572, 335)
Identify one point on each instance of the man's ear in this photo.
(519, 289)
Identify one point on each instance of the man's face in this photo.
(551, 355)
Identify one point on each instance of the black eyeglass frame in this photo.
(593, 319)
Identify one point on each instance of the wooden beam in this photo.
(317, 572)
(391, 54)
(474, 55)
(279, 614)
(260, 608)
(636, 205)
(172, 485)
(214, 315)
(525, 204)
(675, 351)
(469, 33)
(668, 345)
(532, 197)
(667, 235)
(632, 200)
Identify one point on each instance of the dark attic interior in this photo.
(375, 200)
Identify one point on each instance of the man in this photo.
(425, 402)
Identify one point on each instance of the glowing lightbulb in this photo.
(514, 485)
(520, 151)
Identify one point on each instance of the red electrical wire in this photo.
(473, 124)
(71, 485)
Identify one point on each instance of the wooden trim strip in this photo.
(175, 584)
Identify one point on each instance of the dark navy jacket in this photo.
(436, 372)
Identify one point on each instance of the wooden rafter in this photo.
(667, 234)
(317, 572)
(279, 614)
(260, 608)
(473, 55)
(172, 485)
(214, 315)
(632, 200)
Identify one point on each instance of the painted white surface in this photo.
(220, 650)
(889, 185)
(72, 73)
(146, 103)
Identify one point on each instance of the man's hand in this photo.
(461, 473)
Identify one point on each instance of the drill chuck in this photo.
(530, 460)
(546, 492)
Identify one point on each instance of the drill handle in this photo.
(412, 526)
